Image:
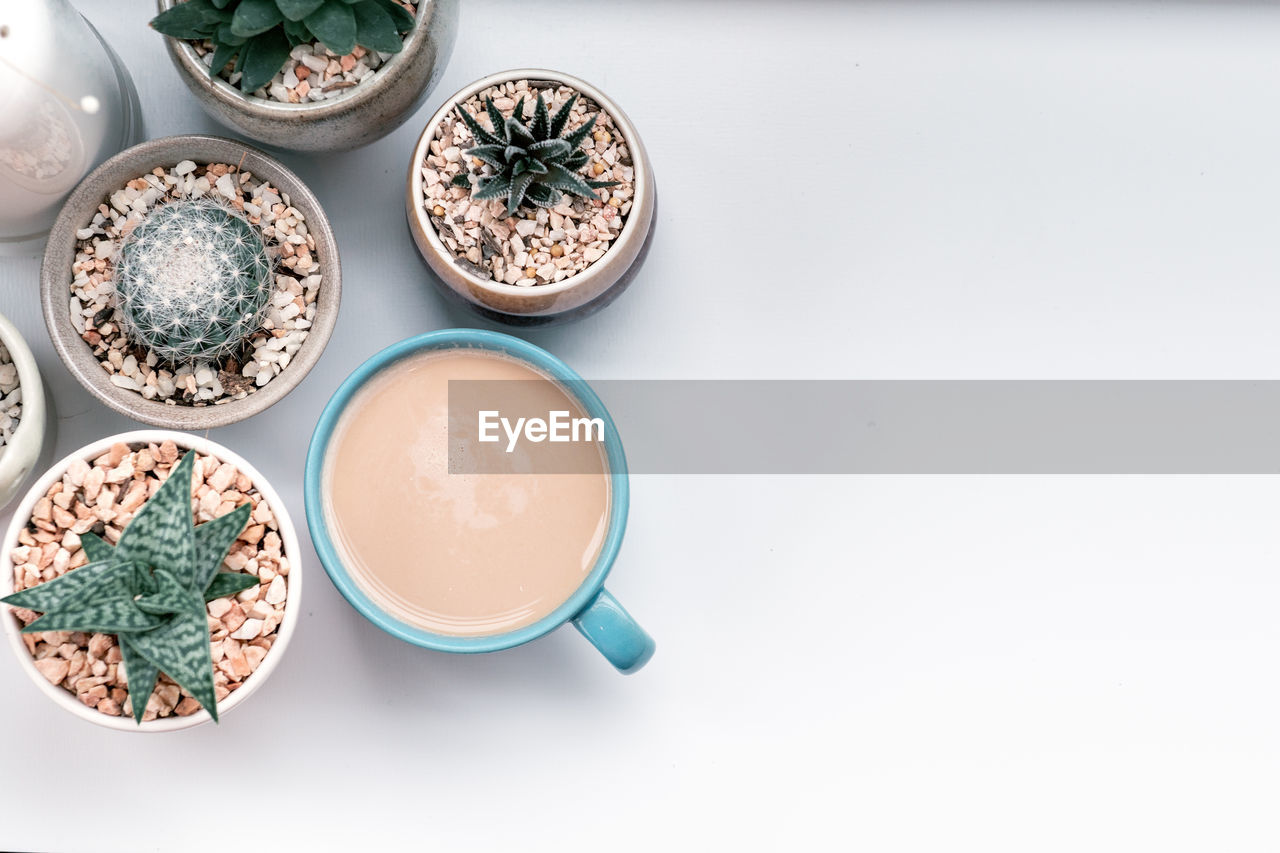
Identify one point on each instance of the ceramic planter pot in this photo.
(291, 548)
(367, 113)
(55, 279)
(35, 432)
(573, 298)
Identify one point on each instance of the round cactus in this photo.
(193, 280)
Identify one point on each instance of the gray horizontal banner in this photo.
(888, 427)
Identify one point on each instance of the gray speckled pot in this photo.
(573, 298)
(55, 278)
(370, 111)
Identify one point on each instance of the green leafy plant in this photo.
(258, 34)
(531, 160)
(193, 280)
(150, 589)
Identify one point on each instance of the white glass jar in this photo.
(66, 104)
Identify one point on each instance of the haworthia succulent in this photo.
(70, 589)
(150, 590)
(478, 131)
(541, 126)
(213, 540)
(530, 160)
(100, 614)
(95, 548)
(561, 118)
(170, 596)
(180, 648)
(229, 583)
(161, 533)
(560, 178)
(141, 673)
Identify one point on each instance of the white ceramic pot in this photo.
(35, 429)
(288, 537)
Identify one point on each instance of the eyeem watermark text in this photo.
(557, 427)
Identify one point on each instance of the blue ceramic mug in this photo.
(591, 609)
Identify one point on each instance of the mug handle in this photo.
(610, 628)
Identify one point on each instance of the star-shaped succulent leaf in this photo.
(150, 589)
(530, 160)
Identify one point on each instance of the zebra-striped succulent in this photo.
(150, 589)
(528, 160)
(193, 280)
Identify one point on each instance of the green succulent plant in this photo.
(193, 280)
(150, 590)
(532, 161)
(259, 34)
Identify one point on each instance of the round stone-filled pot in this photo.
(368, 112)
(289, 548)
(572, 298)
(60, 254)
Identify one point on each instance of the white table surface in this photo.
(858, 190)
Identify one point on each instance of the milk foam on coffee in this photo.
(452, 553)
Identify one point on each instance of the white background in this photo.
(849, 190)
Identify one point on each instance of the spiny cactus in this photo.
(533, 161)
(259, 34)
(193, 280)
(150, 589)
